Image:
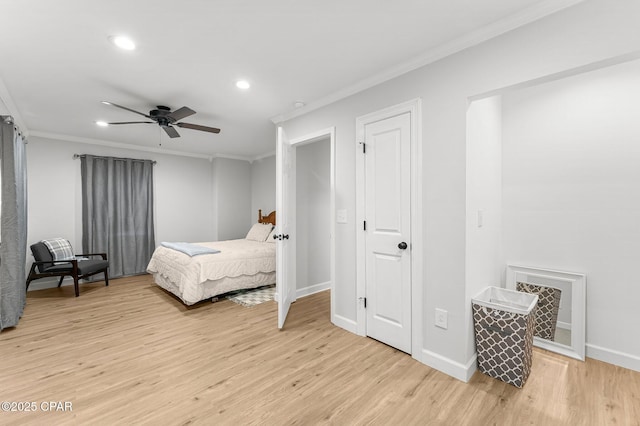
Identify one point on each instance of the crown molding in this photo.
(263, 156)
(516, 20)
(131, 147)
(233, 157)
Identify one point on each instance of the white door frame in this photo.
(414, 108)
(329, 133)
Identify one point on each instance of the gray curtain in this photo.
(117, 212)
(13, 224)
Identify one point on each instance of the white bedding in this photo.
(239, 261)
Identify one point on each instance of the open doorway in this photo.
(308, 164)
(551, 166)
(313, 217)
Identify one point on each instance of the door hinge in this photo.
(364, 147)
(364, 226)
(365, 303)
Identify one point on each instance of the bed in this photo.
(238, 264)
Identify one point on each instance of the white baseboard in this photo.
(610, 356)
(465, 372)
(462, 372)
(312, 289)
(346, 323)
(42, 284)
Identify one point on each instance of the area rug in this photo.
(253, 296)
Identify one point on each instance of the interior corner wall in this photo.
(214, 201)
(263, 186)
(588, 32)
(182, 184)
(483, 266)
(232, 180)
(571, 184)
(313, 216)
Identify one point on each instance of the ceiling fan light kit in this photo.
(165, 118)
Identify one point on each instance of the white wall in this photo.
(484, 262)
(184, 204)
(571, 185)
(591, 31)
(232, 181)
(183, 187)
(263, 186)
(313, 215)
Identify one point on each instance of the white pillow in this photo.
(259, 232)
(270, 238)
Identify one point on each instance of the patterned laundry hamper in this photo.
(504, 322)
(548, 307)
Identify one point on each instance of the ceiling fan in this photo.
(166, 119)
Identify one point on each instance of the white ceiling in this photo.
(56, 63)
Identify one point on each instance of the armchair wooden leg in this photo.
(75, 285)
(60, 282)
(106, 277)
(31, 272)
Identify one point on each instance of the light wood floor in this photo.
(131, 353)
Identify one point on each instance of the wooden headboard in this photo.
(270, 218)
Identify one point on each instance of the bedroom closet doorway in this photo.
(387, 201)
(305, 200)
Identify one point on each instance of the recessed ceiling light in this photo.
(242, 84)
(122, 42)
(102, 123)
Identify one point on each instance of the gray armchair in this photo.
(44, 266)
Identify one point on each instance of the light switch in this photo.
(441, 318)
(341, 216)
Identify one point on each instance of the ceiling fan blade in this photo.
(125, 108)
(181, 113)
(132, 122)
(198, 127)
(173, 133)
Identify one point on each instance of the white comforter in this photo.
(236, 258)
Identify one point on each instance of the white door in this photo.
(388, 230)
(285, 225)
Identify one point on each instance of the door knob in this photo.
(402, 246)
(285, 236)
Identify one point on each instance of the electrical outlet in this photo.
(441, 318)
